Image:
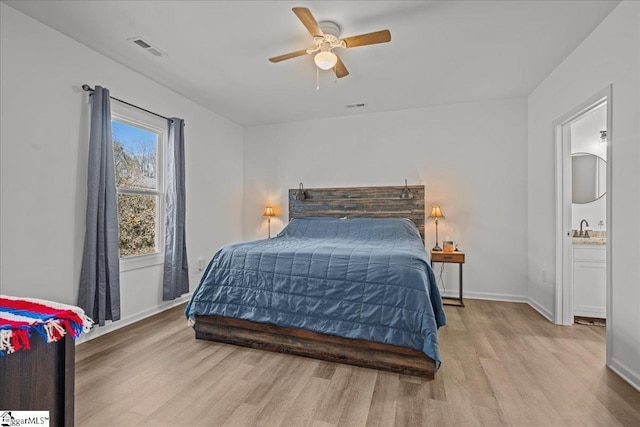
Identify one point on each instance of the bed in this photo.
(349, 290)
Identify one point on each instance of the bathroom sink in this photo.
(595, 238)
(589, 240)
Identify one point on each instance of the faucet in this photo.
(584, 233)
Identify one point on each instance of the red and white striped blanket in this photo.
(20, 317)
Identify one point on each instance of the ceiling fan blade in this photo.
(340, 69)
(308, 21)
(369, 38)
(288, 56)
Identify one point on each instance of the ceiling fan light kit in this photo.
(326, 37)
(326, 60)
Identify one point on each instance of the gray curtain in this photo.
(99, 293)
(176, 269)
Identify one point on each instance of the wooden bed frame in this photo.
(372, 202)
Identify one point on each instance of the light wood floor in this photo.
(504, 364)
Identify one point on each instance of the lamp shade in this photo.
(436, 212)
(326, 60)
(268, 211)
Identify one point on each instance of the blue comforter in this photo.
(359, 278)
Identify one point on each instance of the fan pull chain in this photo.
(317, 79)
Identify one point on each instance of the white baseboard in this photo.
(625, 373)
(503, 297)
(540, 309)
(487, 296)
(126, 321)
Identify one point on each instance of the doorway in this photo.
(583, 211)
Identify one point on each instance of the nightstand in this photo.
(452, 258)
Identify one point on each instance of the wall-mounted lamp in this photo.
(268, 212)
(436, 214)
(300, 194)
(406, 193)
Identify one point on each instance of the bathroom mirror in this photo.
(588, 177)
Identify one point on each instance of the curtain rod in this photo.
(88, 88)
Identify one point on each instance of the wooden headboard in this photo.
(358, 202)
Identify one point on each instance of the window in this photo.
(138, 139)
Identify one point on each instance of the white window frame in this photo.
(135, 117)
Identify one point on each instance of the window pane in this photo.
(137, 218)
(134, 151)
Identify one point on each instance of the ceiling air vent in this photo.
(148, 47)
(356, 105)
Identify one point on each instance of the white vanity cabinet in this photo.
(589, 280)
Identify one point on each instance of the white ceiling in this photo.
(441, 52)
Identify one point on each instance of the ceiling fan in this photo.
(326, 37)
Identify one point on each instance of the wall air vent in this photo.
(148, 46)
(356, 105)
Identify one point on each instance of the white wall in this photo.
(471, 158)
(44, 148)
(610, 55)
